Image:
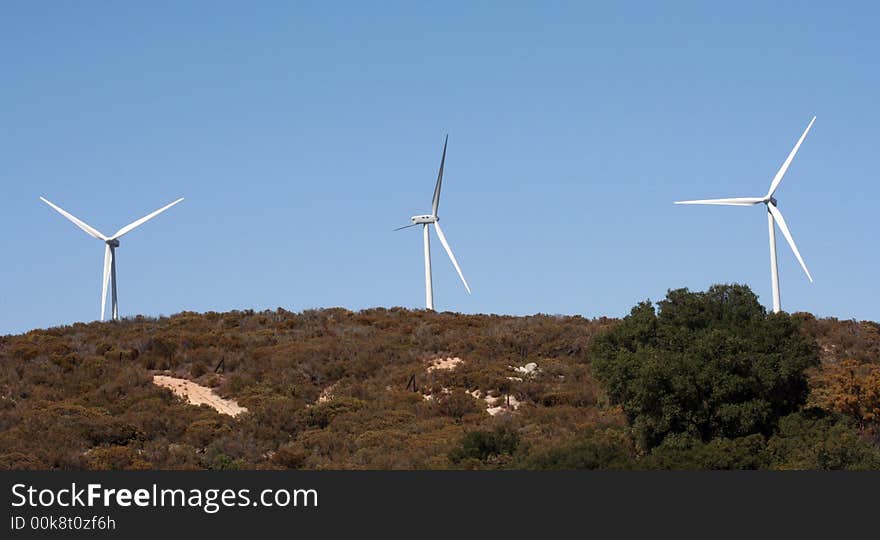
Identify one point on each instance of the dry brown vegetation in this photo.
(334, 389)
(848, 379)
(80, 396)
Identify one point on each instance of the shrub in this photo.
(457, 404)
(816, 440)
(290, 456)
(593, 449)
(707, 365)
(679, 452)
(481, 445)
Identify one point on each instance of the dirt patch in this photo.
(529, 370)
(494, 408)
(196, 394)
(444, 364)
(327, 394)
(496, 405)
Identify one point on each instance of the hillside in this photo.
(393, 388)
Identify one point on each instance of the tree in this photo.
(848, 387)
(706, 364)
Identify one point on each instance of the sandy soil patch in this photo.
(494, 408)
(531, 369)
(495, 405)
(445, 364)
(326, 394)
(197, 394)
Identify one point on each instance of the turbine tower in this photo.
(111, 243)
(774, 217)
(426, 221)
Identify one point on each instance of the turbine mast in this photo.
(774, 269)
(115, 307)
(429, 289)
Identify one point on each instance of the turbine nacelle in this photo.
(419, 220)
(113, 242)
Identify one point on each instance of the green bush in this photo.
(817, 440)
(593, 449)
(679, 452)
(705, 365)
(481, 445)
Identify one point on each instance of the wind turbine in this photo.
(426, 221)
(773, 216)
(111, 243)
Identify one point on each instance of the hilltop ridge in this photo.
(333, 388)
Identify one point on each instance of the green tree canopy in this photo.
(813, 439)
(705, 365)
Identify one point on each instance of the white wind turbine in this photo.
(111, 243)
(773, 216)
(425, 221)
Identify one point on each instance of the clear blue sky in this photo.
(302, 133)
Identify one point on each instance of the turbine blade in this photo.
(406, 226)
(435, 203)
(451, 256)
(108, 260)
(135, 224)
(740, 201)
(777, 215)
(778, 178)
(91, 231)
